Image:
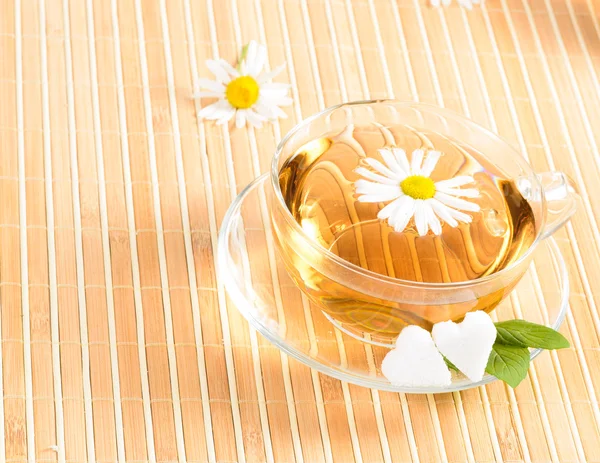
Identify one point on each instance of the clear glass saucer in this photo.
(258, 284)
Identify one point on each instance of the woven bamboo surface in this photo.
(119, 342)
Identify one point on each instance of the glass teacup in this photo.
(362, 288)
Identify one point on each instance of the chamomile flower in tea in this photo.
(413, 193)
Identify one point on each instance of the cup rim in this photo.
(274, 177)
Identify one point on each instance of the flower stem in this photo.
(242, 57)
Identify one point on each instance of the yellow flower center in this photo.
(418, 187)
(242, 92)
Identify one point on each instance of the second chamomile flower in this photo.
(247, 93)
(413, 194)
(468, 4)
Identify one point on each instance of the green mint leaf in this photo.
(526, 334)
(508, 363)
(450, 365)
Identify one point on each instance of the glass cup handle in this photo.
(561, 200)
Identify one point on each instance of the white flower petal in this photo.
(364, 187)
(456, 214)
(455, 182)
(400, 155)
(233, 72)
(461, 216)
(218, 70)
(279, 113)
(273, 94)
(375, 177)
(259, 60)
(209, 84)
(276, 86)
(213, 111)
(254, 61)
(287, 101)
(264, 110)
(403, 214)
(226, 117)
(415, 162)
(391, 162)
(430, 162)
(268, 76)
(456, 202)
(432, 220)
(240, 118)
(443, 212)
(276, 101)
(378, 198)
(254, 119)
(467, 192)
(391, 209)
(421, 217)
(379, 167)
(209, 111)
(434, 3)
(468, 4)
(251, 51)
(269, 112)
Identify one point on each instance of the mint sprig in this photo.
(508, 363)
(526, 334)
(509, 360)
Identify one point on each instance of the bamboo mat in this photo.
(119, 342)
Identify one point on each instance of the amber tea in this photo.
(319, 186)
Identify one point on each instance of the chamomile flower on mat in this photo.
(413, 194)
(246, 93)
(468, 4)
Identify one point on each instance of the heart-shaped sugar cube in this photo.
(467, 344)
(415, 362)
